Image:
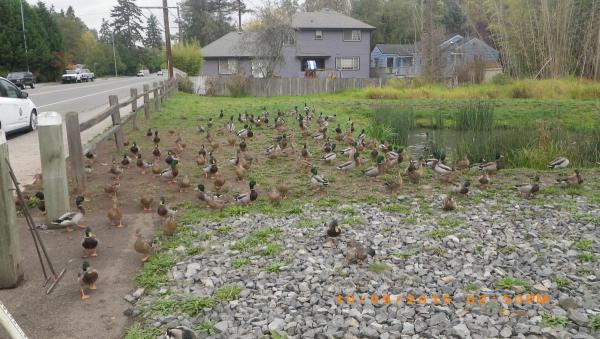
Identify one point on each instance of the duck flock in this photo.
(229, 142)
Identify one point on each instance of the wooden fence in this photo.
(161, 91)
(223, 85)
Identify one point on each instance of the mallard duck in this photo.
(348, 165)
(156, 169)
(572, 180)
(169, 158)
(349, 151)
(317, 180)
(462, 164)
(142, 164)
(91, 157)
(440, 168)
(41, 203)
(146, 200)
(125, 141)
(356, 252)
(484, 179)
(181, 332)
(164, 210)
(493, 166)
(274, 196)
(115, 214)
(528, 189)
(180, 143)
(149, 132)
(169, 225)
(184, 183)
(126, 160)
(375, 170)
(394, 185)
(240, 171)
(448, 204)
(70, 219)
(156, 152)
(215, 203)
(142, 245)
(415, 170)
(115, 169)
(89, 243)
(305, 153)
(211, 170)
(219, 182)
(171, 173)
(461, 188)
(329, 157)
(333, 230)
(87, 279)
(559, 162)
(248, 197)
(201, 192)
(134, 149)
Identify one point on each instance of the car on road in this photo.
(17, 111)
(140, 74)
(71, 75)
(87, 75)
(21, 79)
(159, 73)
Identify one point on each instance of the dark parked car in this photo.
(22, 79)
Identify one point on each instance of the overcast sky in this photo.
(92, 11)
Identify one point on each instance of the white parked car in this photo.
(17, 111)
(159, 73)
(140, 74)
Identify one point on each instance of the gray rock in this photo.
(578, 317)
(408, 328)
(461, 331)
(568, 302)
(506, 332)
(277, 324)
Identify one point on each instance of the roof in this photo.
(327, 18)
(398, 49)
(231, 44)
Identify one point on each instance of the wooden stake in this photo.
(156, 98)
(147, 101)
(113, 101)
(133, 93)
(75, 150)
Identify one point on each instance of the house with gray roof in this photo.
(335, 44)
(396, 60)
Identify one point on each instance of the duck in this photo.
(201, 195)
(317, 180)
(305, 153)
(462, 164)
(348, 165)
(484, 179)
(143, 164)
(219, 182)
(149, 132)
(449, 204)
(40, 202)
(184, 183)
(375, 170)
(329, 157)
(87, 279)
(248, 197)
(394, 185)
(440, 168)
(527, 190)
(91, 157)
(274, 196)
(181, 332)
(415, 170)
(112, 188)
(115, 169)
(126, 141)
(558, 162)
(142, 245)
(164, 210)
(240, 171)
(572, 180)
(156, 139)
(493, 166)
(126, 160)
(171, 173)
(169, 158)
(156, 152)
(461, 188)
(211, 170)
(215, 203)
(146, 200)
(333, 229)
(357, 253)
(89, 242)
(134, 149)
(115, 214)
(156, 169)
(70, 219)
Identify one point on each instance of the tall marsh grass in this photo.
(400, 119)
(475, 115)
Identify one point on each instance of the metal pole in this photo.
(168, 38)
(24, 36)
(179, 24)
(114, 53)
(10, 324)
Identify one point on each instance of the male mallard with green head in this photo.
(493, 166)
(163, 210)
(248, 197)
(375, 170)
(348, 165)
(558, 162)
(317, 180)
(89, 243)
(171, 173)
(70, 219)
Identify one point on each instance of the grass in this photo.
(508, 283)
(554, 320)
(194, 306)
(449, 222)
(274, 267)
(439, 233)
(406, 254)
(471, 287)
(271, 250)
(255, 239)
(396, 208)
(595, 322)
(307, 223)
(585, 245)
(378, 267)
(207, 328)
(562, 281)
(586, 257)
(227, 293)
(137, 331)
(224, 230)
(239, 262)
(506, 250)
(582, 271)
(154, 272)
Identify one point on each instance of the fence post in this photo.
(54, 169)
(133, 94)
(156, 99)
(11, 261)
(147, 101)
(161, 89)
(113, 101)
(75, 150)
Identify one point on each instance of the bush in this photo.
(502, 79)
(520, 91)
(186, 85)
(238, 86)
(188, 57)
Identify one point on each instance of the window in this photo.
(228, 66)
(258, 69)
(347, 64)
(320, 62)
(390, 62)
(352, 35)
(8, 90)
(318, 34)
(289, 39)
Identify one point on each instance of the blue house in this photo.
(404, 60)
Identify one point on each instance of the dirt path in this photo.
(62, 314)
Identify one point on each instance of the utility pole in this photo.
(239, 3)
(114, 53)
(165, 9)
(179, 24)
(24, 36)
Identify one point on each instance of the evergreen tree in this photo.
(105, 32)
(202, 23)
(153, 33)
(126, 21)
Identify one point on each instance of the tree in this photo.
(188, 57)
(126, 21)
(106, 33)
(153, 33)
(341, 6)
(201, 23)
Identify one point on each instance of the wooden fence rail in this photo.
(74, 128)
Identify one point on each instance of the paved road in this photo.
(86, 98)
